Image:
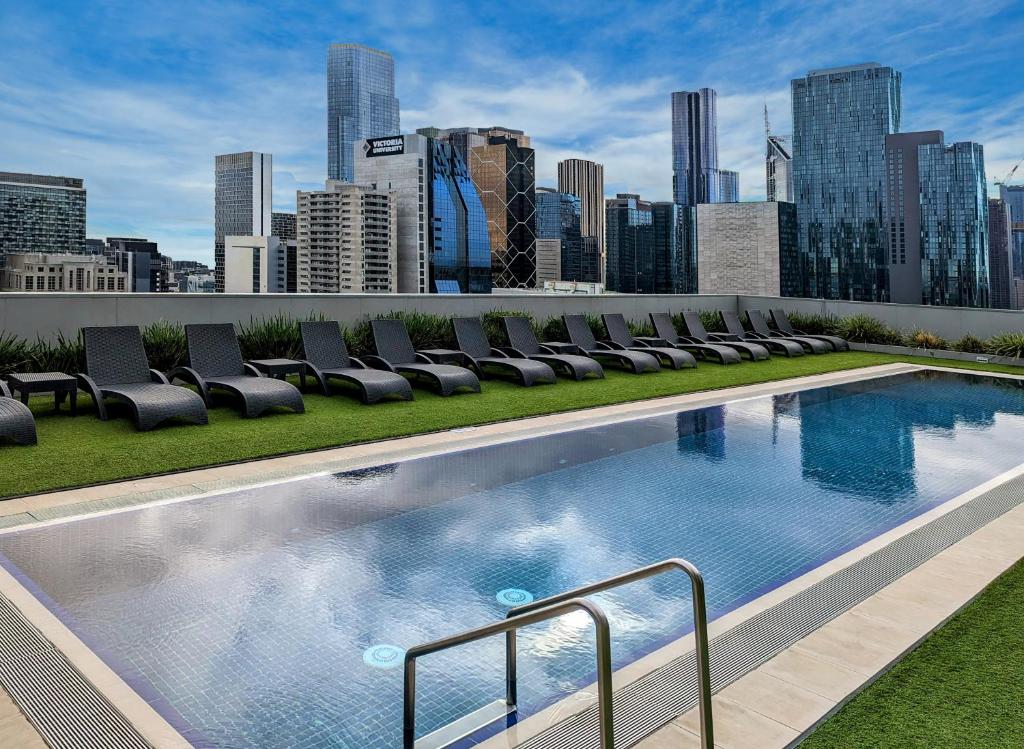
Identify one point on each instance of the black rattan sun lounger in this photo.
(619, 337)
(523, 343)
(582, 337)
(665, 330)
(16, 420)
(327, 359)
(395, 353)
(481, 356)
(696, 331)
(734, 328)
(761, 330)
(116, 367)
(215, 363)
(782, 324)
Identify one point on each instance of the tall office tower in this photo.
(936, 221)
(41, 214)
(242, 201)
(282, 225)
(347, 239)
(1013, 196)
(728, 186)
(1000, 255)
(778, 167)
(585, 180)
(675, 257)
(504, 174)
(630, 236)
(147, 269)
(459, 237)
(558, 218)
(840, 119)
(746, 248)
(361, 103)
(695, 176)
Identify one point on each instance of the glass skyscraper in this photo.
(675, 250)
(630, 237)
(558, 217)
(460, 247)
(585, 179)
(243, 188)
(41, 214)
(361, 103)
(695, 147)
(1013, 196)
(840, 119)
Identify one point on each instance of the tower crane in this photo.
(1006, 180)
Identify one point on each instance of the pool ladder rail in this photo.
(558, 605)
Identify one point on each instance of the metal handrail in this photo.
(700, 631)
(511, 624)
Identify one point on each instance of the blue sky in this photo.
(138, 97)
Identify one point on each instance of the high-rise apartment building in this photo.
(675, 258)
(1000, 255)
(504, 174)
(840, 119)
(936, 221)
(558, 219)
(347, 239)
(630, 236)
(1013, 196)
(778, 166)
(243, 188)
(282, 225)
(585, 180)
(41, 214)
(361, 103)
(728, 186)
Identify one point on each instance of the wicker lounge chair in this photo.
(665, 330)
(734, 328)
(523, 343)
(619, 337)
(395, 353)
(327, 359)
(16, 420)
(761, 330)
(581, 336)
(116, 367)
(782, 324)
(215, 363)
(481, 356)
(696, 331)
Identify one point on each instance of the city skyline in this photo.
(142, 127)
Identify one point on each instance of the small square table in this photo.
(560, 347)
(60, 384)
(281, 368)
(443, 355)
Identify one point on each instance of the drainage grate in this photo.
(658, 698)
(65, 709)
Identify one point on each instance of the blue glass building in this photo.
(1013, 196)
(361, 103)
(840, 119)
(460, 247)
(675, 249)
(695, 147)
(558, 217)
(630, 267)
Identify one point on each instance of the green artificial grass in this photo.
(80, 451)
(963, 687)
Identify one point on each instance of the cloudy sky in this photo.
(138, 97)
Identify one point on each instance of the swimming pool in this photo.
(261, 617)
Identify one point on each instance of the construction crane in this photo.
(1006, 180)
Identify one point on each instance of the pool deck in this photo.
(774, 705)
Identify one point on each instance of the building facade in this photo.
(695, 177)
(347, 240)
(41, 213)
(728, 186)
(1000, 255)
(630, 236)
(840, 119)
(1013, 196)
(243, 188)
(585, 180)
(43, 271)
(361, 103)
(559, 218)
(778, 168)
(283, 225)
(745, 248)
(549, 261)
(675, 251)
(148, 271)
(459, 231)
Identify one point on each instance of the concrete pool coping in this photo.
(61, 506)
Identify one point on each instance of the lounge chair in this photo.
(761, 330)
(395, 353)
(619, 337)
(481, 356)
(16, 420)
(116, 367)
(581, 336)
(735, 330)
(523, 343)
(215, 363)
(665, 330)
(327, 359)
(695, 331)
(782, 324)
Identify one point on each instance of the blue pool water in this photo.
(263, 617)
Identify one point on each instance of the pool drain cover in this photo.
(383, 656)
(514, 597)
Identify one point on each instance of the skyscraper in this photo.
(283, 225)
(1013, 196)
(242, 201)
(585, 180)
(41, 214)
(695, 147)
(459, 239)
(675, 259)
(558, 218)
(778, 166)
(728, 186)
(361, 103)
(631, 267)
(840, 119)
(1000, 255)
